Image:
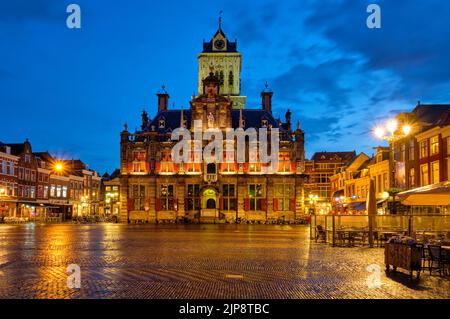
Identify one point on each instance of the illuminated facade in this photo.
(154, 188)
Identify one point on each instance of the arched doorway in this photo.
(209, 198)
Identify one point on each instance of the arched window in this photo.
(231, 78)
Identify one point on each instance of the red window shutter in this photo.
(221, 203)
(292, 204)
(130, 167)
(264, 204)
(129, 204)
(246, 167)
(275, 204)
(158, 204)
(293, 167)
(157, 167)
(147, 167)
(247, 204)
(175, 168)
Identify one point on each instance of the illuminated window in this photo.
(424, 175)
(424, 149)
(162, 123)
(193, 197)
(412, 150)
(194, 165)
(284, 162)
(64, 191)
(255, 192)
(229, 196)
(412, 177)
(283, 195)
(385, 181)
(448, 148)
(167, 196)
(139, 162)
(435, 172)
(402, 152)
(264, 123)
(138, 197)
(434, 145)
(228, 166)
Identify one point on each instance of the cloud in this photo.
(413, 41)
(20, 10)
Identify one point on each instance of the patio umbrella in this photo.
(371, 209)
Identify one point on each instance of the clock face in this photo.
(219, 44)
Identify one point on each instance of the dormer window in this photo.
(162, 123)
(264, 123)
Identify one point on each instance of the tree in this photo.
(393, 192)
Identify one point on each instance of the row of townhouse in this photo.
(418, 155)
(35, 185)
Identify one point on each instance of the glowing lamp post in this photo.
(391, 132)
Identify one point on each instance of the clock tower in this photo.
(222, 58)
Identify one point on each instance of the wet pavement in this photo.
(193, 261)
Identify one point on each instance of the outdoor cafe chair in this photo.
(436, 257)
(424, 255)
(321, 233)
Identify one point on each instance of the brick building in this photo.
(320, 169)
(8, 181)
(32, 189)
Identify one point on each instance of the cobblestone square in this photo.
(193, 261)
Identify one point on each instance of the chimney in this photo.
(266, 96)
(144, 120)
(163, 99)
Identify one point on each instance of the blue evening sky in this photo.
(70, 91)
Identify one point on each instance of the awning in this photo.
(358, 206)
(338, 194)
(430, 195)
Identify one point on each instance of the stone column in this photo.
(242, 193)
(270, 193)
(181, 195)
(151, 193)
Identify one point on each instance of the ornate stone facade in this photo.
(154, 188)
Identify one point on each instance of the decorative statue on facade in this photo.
(210, 120)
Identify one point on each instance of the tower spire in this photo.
(182, 118)
(241, 119)
(220, 19)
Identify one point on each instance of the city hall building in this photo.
(155, 188)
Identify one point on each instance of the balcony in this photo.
(211, 178)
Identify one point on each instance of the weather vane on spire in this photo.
(220, 19)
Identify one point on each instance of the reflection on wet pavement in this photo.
(192, 261)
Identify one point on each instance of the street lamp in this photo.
(395, 135)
